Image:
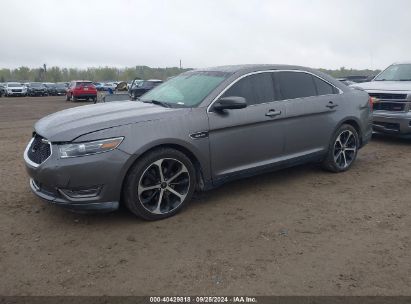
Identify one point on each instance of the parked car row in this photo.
(32, 89)
(135, 88)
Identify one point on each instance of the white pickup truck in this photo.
(391, 94)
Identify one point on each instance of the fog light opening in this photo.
(81, 193)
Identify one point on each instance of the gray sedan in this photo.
(192, 133)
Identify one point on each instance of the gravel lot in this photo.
(300, 231)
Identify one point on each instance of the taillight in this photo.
(371, 102)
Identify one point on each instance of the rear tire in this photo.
(343, 149)
(73, 98)
(152, 195)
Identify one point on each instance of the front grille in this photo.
(16, 90)
(389, 106)
(389, 96)
(39, 150)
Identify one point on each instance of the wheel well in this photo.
(186, 152)
(356, 126)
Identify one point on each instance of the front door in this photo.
(243, 140)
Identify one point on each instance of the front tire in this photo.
(343, 149)
(159, 184)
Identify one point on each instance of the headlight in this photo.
(88, 148)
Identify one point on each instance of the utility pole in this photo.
(45, 71)
(180, 65)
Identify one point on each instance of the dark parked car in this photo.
(2, 90)
(195, 132)
(81, 89)
(346, 81)
(50, 88)
(60, 89)
(36, 89)
(358, 78)
(142, 87)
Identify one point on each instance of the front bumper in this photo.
(73, 206)
(54, 178)
(392, 123)
(16, 93)
(37, 93)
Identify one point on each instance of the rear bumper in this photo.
(392, 123)
(85, 96)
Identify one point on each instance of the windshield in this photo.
(187, 90)
(396, 72)
(83, 84)
(13, 85)
(36, 84)
(137, 83)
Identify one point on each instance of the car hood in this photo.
(384, 85)
(69, 124)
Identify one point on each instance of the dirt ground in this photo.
(300, 231)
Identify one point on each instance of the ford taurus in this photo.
(195, 132)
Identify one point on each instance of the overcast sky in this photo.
(317, 33)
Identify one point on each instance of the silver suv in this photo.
(195, 132)
(391, 94)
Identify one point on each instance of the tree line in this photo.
(57, 74)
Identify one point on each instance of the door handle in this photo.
(272, 113)
(331, 105)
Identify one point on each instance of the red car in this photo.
(81, 89)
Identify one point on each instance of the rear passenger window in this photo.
(296, 85)
(256, 89)
(324, 88)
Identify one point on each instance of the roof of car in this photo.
(252, 67)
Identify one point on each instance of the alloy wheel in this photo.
(345, 149)
(163, 186)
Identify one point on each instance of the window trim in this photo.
(272, 71)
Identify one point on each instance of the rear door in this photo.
(311, 108)
(243, 140)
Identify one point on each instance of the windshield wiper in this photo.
(157, 102)
(405, 79)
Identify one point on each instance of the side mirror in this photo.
(230, 103)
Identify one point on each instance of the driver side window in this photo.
(256, 89)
